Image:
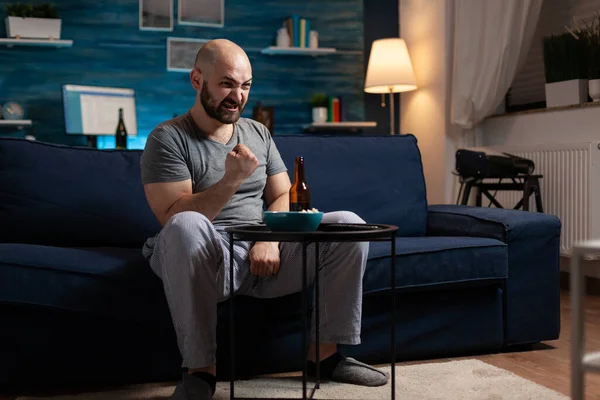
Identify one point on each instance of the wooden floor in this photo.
(549, 363)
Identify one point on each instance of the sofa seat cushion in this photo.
(432, 261)
(113, 282)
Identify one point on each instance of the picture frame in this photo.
(181, 53)
(201, 13)
(156, 15)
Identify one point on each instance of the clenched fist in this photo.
(264, 259)
(240, 163)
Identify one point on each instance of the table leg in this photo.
(538, 196)
(304, 319)
(466, 194)
(393, 316)
(231, 321)
(526, 193)
(577, 328)
(317, 311)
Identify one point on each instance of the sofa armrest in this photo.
(497, 223)
(533, 245)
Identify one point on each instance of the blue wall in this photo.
(110, 50)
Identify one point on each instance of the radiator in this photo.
(570, 187)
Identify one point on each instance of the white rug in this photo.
(457, 380)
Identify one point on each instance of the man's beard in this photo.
(219, 111)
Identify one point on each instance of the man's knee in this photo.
(347, 217)
(190, 237)
(185, 226)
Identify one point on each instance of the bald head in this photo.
(220, 53)
(222, 76)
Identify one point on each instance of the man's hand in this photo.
(240, 163)
(264, 259)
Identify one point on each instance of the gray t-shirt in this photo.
(177, 150)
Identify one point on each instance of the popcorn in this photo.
(312, 210)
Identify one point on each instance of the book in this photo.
(296, 28)
(336, 109)
(303, 33)
(289, 24)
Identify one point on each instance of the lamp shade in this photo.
(389, 67)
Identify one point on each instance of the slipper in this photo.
(355, 372)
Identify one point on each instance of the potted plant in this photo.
(319, 104)
(32, 21)
(566, 69)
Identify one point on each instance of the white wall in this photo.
(568, 125)
(426, 25)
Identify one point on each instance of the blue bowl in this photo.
(292, 221)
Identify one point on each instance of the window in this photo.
(528, 88)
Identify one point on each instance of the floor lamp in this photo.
(389, 71)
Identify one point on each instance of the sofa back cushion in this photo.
(72, 196)
(58, 195)
(380, 178)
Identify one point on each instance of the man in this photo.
(209, 169)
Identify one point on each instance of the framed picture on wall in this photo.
(156, 15)
(201, 13)
(181, 53)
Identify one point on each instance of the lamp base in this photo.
(392, 107)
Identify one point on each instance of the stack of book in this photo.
(299, 31)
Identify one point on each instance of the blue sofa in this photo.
(79, 304)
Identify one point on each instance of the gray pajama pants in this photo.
(191, 256)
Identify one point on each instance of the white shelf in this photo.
(298, 51)
(35, 42)
(15, 122)
(342, 125)
(184, 70)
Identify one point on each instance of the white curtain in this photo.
(491, 41)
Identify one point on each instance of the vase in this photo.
(314, 40)
(594, 89)
(319, 114)
(283, 39)
(574, 91)
(33, 28)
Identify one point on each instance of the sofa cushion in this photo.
(119, 282)
(99, 281)
(431, 261)
(378, 177)
(72, 196)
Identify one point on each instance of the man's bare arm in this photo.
(277, 192)
(168, 199)
(264, 256)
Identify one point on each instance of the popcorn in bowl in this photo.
(312, 210)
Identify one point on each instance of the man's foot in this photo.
(343, 369)
(198, 386)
